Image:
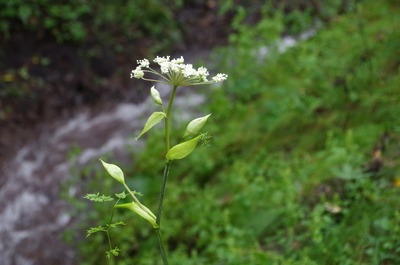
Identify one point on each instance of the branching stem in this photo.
(165, 175)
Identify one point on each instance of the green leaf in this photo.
(93, 230)
(97, 197)
(101, 228)
(182, 150)
(114, 171)
(114, 252)
(142, 211)
(153, 120)
(195, 126)
(121, 195)
(114, 225)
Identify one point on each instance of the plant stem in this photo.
(159, 212)
(162, 192)
(168, 119)
(165, 176)
(162, 249)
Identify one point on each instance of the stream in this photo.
(32, 214)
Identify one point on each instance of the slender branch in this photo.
(167, 147)
(162, 249)
(132, 194)
(162, 192)
(168, 119)
(165, 176)
(108, 229)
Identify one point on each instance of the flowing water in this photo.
(32, 214)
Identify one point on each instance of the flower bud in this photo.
(142, 211)
(114, 171)
(195, 126)
(156, 96)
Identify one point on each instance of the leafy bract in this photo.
(121, 195)
(195, 126)
(114, 171)
(153, 120)
(96, 197)
(141, 210)
(182, 150)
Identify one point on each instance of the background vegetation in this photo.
(304, 166)
(47, 45)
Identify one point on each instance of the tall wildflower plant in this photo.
(176, 73)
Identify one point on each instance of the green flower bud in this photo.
(142, 211)
(114, 171)
(195, 126)
(155, 95)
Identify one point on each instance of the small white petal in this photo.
(220, 77)
(137, 73)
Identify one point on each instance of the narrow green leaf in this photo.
(121, 195)
(97, 229)
(153, 120)
(114, 171)
(114, 252)
(114, 225)
(182, 150)
(97, 197)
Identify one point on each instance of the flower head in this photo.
(137, 73)
(175, 72)
(220, 77)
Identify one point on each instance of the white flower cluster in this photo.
(175, 72)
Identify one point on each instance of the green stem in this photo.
(111, 261)
(162, 249)
(162, 192)
(168, 119)
(159, 212)
(165, 175)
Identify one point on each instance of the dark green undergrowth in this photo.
(78, 20)
(304, 163)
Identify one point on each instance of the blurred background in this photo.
(304, 162)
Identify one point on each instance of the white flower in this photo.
(137, 73)
(175, 72)
(160, 60)
(178, 60)
(165, 67)
(203, 73)
(143, 63)
(189, 71)
(174, 66)
(220, 77)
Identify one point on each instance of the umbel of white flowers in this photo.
(175, 72)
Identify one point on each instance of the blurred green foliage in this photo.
(76, 20)
(290, 176)
(60, 18)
